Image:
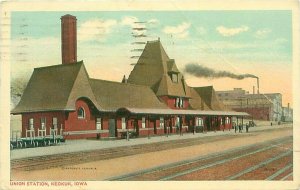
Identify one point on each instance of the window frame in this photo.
(174, 77)
(43, 121)
(123, 123)
(55, 126)
(31, 124)
(143, 122)
(199, 121)
(98, 123)
(81, 115)
(161, 122)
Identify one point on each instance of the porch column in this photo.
(148, 126)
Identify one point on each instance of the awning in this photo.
(146, 111)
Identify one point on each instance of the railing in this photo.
(42, 132)
(31, 133)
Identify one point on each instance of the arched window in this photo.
(81, 113)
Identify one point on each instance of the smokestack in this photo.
(68, 39)
(257, 85)
(253, 89)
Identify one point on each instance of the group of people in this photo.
(240, 127)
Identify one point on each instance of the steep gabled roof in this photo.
(196, 102)
(49, 88)
(208, 95)
(149, 67)
(113, 95)
(154, 69)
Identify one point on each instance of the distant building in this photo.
(259, 106)
(287, 114)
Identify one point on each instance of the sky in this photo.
(254, 42)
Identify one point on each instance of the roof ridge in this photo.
(59, 65)
(120, 83)
(200, 86)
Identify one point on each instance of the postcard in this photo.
(147, 94)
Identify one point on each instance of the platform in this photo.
(94, 144)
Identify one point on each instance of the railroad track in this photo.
(271, 160)
(66, 159)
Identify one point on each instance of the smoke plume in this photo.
(205, 72)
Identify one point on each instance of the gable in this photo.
(48, 88)
(81, 89)
(208, 95)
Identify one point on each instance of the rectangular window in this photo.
(177, 122)
(143, 122)
(177, 102)
(98, 123)
(31, 123)
(175, 77)
(161, 122)
(54, 122)
(227, 120)
(43, 123)
(123, 123)
(199, 121)
(181, 102)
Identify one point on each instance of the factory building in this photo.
(260, 106)
(154, 100)
(287, 114)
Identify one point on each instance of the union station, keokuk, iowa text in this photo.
(154, 99)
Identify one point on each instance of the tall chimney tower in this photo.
(68, 39)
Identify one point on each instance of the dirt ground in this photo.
(101, 170)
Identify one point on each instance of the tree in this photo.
(17, 87)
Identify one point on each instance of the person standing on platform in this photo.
(247, 127)
(235, 127)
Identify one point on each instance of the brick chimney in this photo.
(68, 39)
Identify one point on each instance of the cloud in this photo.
(129, 21)
(153, 21)
(95, 29)
(201, 30)
(179, 31)
(263, 33)
(231, 31)
(134, 22)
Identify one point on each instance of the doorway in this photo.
(112, 127)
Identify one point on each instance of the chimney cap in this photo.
(68, 15)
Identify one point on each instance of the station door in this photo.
(112, 127)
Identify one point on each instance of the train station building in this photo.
(154, 100)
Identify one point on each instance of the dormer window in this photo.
(81, 113)
(174, 77)
(179, 103)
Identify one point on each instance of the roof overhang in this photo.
(149, 111)
(40, 110)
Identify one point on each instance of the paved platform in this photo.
(93, 144)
